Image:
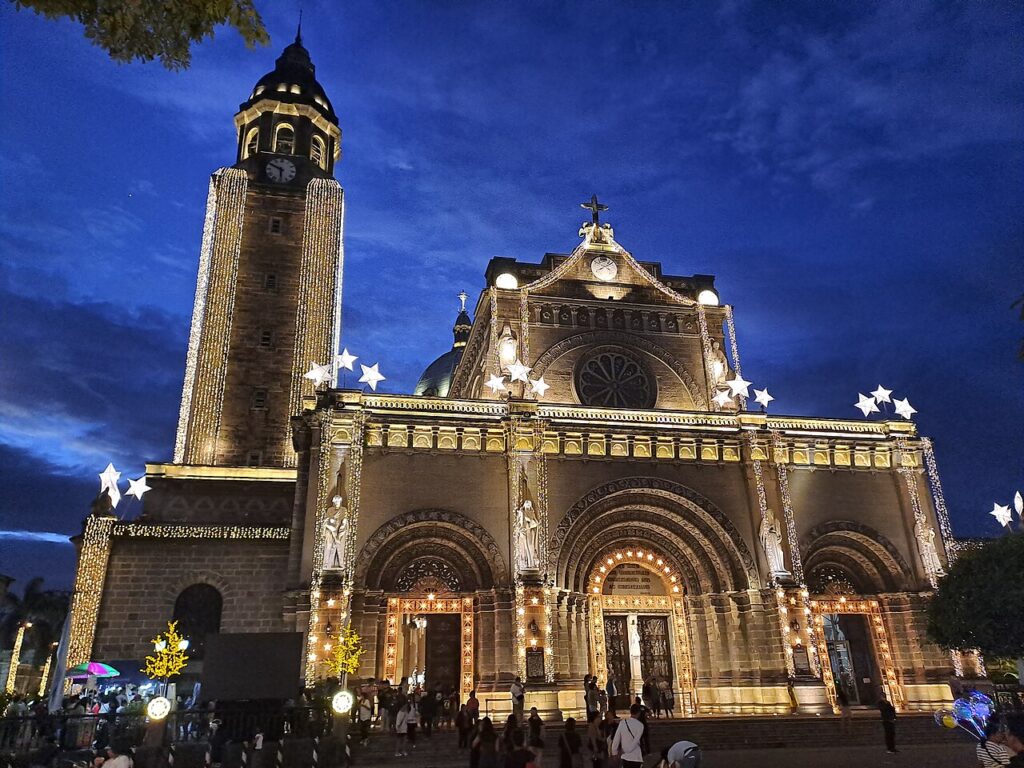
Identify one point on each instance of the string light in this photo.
(948, 542)
(206, 360)
(163, 531)
(705, 342)
(910, 480)
(89, 579)
(734, 349)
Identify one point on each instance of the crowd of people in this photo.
(406, 713)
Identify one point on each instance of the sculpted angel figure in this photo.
(771, 540)
(335, 534)
(926, 542)
(527, 536)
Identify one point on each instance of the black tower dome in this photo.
(288, 115)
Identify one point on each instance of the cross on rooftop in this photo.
(595, 209)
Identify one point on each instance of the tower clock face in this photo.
(604, 268)
(280, 170)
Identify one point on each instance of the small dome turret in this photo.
(437, 378)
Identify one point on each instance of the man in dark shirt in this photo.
(888, 723)
(520, 755)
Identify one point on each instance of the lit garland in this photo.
(210, 336)
(672, 603)
(492, 354)
(787, 509)
(520, 630)
(169, 656)
(159, 531)
(841, 605)
(948, 542)
(910, 479)
(12, 670)
(787, 644)
(45, 677)
(524, 330)
(734, 348)
(705, 342)
(89, 580)
(317, 318)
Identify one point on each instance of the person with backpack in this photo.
(628, 738)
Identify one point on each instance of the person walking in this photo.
(597, 747)
(628, 738)
(611, 691)
(569, 746)
(888, 712)
(845, 716)
(412, 721)
(486, 745)
(518, 694)
(473, 708)
(462, 725)
(428, 710)
(536, 730)
(401, 730)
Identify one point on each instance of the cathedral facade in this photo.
(582, 484)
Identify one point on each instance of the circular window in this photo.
(613, 379)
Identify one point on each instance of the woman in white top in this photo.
(627, 740)
(401, 729)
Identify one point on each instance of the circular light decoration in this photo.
(342, 702)
(507, 281)
(708, 298)
(158, 708)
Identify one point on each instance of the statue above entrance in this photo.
(527, 537)
(771, 540)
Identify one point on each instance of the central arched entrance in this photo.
(639, 630)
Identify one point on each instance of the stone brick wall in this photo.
(145, 577)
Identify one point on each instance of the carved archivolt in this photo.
(873, 562)
(709, 548)
(627, 341)
(435, 534)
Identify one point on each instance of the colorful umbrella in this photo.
(91, 669)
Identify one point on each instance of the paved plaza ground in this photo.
(912, 756)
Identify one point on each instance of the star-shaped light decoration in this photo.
(108, 483)
(762, 398)
(539, 386)
(882, 394)
(723, 399)
(866, 404)
(371, 375)
(137, 488)
(737, 386)
(1018, 504)
(1001, 513)
(519, 372)
(496, 384)
(318, 374)
(344, 360)
(904, 408)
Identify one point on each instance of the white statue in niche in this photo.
(929, 555)
(335, 535)
(719, 364)
(527, 536)
(771, 540)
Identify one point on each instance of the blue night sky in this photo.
(851, 172)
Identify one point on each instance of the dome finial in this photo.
(462, 300)
(298, 31)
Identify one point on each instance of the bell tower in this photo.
(268, 293)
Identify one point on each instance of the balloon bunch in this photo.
(970, 712)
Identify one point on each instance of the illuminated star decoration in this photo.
(1018, 504)
(137, 488)
(904, 408)
(318, 374)
(881, 394)
(539, 386)
(496, 384)
(866, 404)
(723, 398)
(762, 398)
(344, 360)
(1001, 513)
(371, 375)
(108, 483)
(737, 386)
(518, 371)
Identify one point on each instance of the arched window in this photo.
(317, 152)
(197, 611)
(284, 139)
(252, 142)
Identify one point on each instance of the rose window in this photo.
(613, 379)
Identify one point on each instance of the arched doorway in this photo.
(430, 566)
(847, 564)
(639, 631)
(197, 610)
